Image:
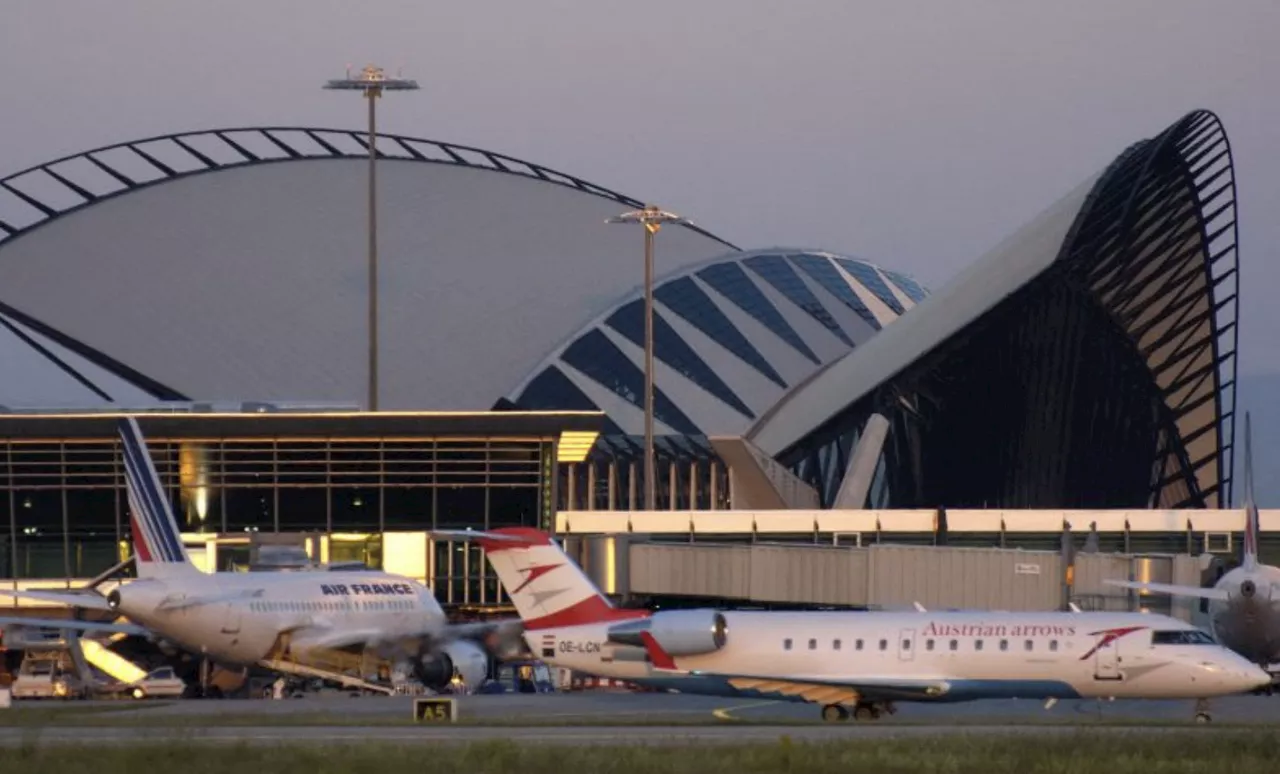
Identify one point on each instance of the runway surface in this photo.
(587, 718)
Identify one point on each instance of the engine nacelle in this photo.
(461, 658)
(678, 632)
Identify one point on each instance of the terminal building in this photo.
(1086, 363)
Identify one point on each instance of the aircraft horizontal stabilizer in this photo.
(1198, 592)
(86, 601)
(66, 623)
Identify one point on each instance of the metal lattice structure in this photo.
(62, 186)
(1107, 379)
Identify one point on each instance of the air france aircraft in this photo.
(1244, 605)
(276, 620)
(857, 663)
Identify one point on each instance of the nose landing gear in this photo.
(1202, 711)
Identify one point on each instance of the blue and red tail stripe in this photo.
(156, 535)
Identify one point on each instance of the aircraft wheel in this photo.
(1203, 717)
(834, 713)
(865, 712)
(139, 694)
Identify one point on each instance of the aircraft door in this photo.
(231, 621)
(1106, 662)
(906, 644)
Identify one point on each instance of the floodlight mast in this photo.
(652, 218)
(372, 81)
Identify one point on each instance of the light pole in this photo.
(652, 218)
(372, 82)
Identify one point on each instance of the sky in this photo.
(914, 134)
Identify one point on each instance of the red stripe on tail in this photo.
(139, 540)
(594, 609)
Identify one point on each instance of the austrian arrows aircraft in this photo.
(864, 661)
(302, 622)
(1244, 605)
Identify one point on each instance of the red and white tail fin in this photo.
(1250, 559)
(157, 543)
(547, 588)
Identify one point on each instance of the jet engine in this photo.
(461, 658)
(678, 632)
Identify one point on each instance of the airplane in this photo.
(1244, 604)
(300, 622)
(856, 663)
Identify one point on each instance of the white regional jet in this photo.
(1244, 605)
(281, 621)
(863, 661)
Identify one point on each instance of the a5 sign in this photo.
(435, 710)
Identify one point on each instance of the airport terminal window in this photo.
(777, 272)
(671, 349)
(1183, 637)
(600, 359)
(829, 277)
(731, 281)
(868, 276)
(906, 285)
(685, 298)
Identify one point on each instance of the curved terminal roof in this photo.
(1141, 258)
(731, 337)
(231, 265)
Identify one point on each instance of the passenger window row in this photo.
(302, 607)
(1027, 645)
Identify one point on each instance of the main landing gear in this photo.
(863, 710)
(1202, 711)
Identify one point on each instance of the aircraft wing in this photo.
(87, 601)
(66, 623)
(1168, 588)
(832, 690)
(494, 636)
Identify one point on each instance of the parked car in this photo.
(161, 683)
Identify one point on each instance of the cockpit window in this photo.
(1182, 637)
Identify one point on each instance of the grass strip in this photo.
(1082, 752)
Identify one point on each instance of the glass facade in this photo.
(690, 477)
(669, 348)
(64, 511)
(775, 270)
(732, 282)
(685, 298)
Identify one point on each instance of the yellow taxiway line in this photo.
(723, 712)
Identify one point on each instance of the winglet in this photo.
(1073, 607)
(919, 607)
(660, 658)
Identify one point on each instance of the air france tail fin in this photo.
(157, 542)
(547, 588)
(1250, 560)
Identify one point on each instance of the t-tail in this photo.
(548, 588)
(157, 542)
(1250, 559)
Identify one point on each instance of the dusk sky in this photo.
(913, 134)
